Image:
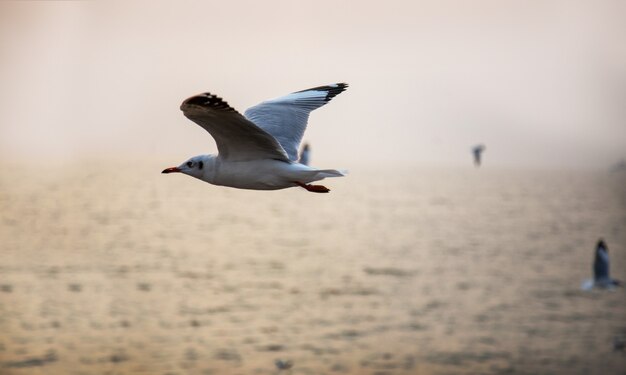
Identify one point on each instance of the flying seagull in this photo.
(259, 150)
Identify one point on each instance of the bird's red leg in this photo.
(313, 188)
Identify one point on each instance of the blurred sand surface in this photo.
(111, 268)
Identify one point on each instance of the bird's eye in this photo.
(200, 164)
(189, 164)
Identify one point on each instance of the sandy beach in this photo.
(111, 269)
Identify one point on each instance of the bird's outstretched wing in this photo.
(285, 118)
(236, 137)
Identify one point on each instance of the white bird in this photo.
(601, 275)
(259, 150)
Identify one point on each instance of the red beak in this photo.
(171, 170)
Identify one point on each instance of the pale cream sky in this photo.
(541, 83)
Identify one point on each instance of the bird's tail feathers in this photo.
(323, 173)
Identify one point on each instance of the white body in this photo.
(261, 174)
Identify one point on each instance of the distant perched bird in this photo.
(305, 154)
(620, 166)
(283, 365)
(477, 151)
(601, 275)
(259, 150)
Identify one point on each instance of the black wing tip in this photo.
(331, 90)
(206, 100)
(335, 90)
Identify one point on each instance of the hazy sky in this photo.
(541, 83)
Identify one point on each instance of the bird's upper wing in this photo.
(236, 137)
(285, 118)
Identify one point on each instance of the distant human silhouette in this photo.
(601, 276)
(477, 151)
(304, 154)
